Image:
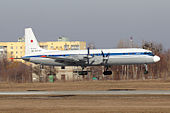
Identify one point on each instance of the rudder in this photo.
(31, 43)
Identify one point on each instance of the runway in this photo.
(136, 92)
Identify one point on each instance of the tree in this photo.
(14, 71)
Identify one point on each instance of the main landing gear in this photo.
(83, 72)
(106, 72)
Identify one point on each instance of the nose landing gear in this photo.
(146, 69)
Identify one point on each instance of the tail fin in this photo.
(31, 43)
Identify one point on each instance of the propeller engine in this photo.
(88, 57)
(105, 57)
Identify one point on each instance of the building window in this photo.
(21, 47)
(44, 46)
(66, 47)
(11, 47)
(5, 48)
(11, 52)
(5, 52)
(16, 47)
(16, 52)
(52, 47)
(75, 47)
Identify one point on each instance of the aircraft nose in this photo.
(156, 58)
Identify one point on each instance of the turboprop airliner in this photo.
(90, 57)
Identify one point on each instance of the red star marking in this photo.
(31, 41)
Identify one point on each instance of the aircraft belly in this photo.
(46, 61)
(130, 60)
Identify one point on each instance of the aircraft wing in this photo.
(67, 60)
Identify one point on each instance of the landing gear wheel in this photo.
(146, 72)
(146, 69)
(106, 72)
(83, 72)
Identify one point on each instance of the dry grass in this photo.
(88, 85)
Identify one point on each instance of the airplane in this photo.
(90, 57)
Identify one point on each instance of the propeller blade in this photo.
(107, 54)
(88, 53)
(105, 57)
(88, 50)
(102, 54)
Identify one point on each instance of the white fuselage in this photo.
(111, 57)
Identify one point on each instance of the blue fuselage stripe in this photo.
(97, 54)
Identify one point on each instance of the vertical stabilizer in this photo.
(31, 43)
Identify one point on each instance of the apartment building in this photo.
(17, 49)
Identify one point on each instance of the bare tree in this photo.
(14, 71)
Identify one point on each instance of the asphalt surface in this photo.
(138, 92)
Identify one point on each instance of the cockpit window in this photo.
(149, 53)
